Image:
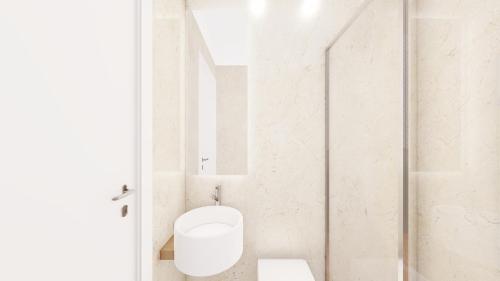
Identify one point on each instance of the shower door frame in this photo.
(403, 227)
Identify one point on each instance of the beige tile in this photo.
(459, 142)
(168, 130)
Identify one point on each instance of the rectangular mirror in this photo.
(217, 101)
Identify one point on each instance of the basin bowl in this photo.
(208, 240)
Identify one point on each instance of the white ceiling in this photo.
(226, 34)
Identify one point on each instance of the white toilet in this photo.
(284, 270)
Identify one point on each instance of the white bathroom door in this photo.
(68, 140)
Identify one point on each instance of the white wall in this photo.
(207, 117)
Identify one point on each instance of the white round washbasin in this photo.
(208, 240)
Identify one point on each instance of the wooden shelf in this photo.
(167, 251)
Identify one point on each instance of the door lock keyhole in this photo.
(124, 211)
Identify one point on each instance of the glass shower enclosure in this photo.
(414, 142)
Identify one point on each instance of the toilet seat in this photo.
(284, 270)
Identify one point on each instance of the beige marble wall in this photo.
(412, 71)
(282, 196)
(456, 157)
(366, 145)
(232, 119)
(168, 129)
(458, 153)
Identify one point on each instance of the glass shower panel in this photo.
(456, 86)
(366, 143)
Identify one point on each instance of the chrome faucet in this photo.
(216, 196)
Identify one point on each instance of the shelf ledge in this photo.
(167, 251)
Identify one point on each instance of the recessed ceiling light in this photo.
(310, 8)
(257, 7)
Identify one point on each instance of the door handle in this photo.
(125, 192)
